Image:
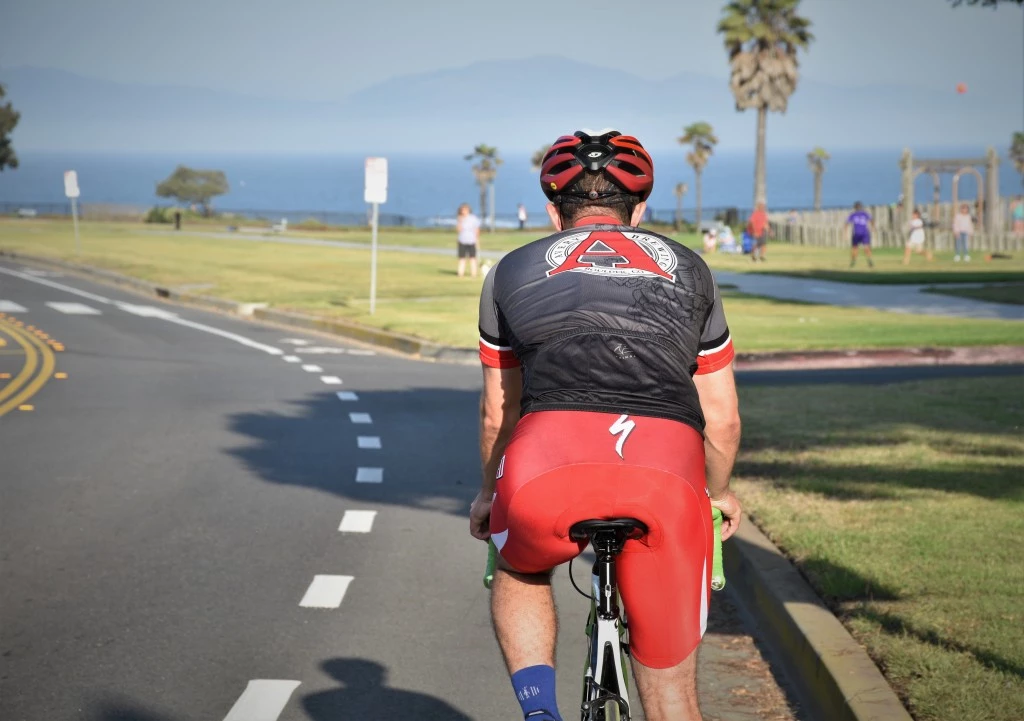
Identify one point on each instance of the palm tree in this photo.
(1017, 153)
(680, 191)
(702, 137)
(484, 171)
(816, 160)
(537, 159)
(762, 38)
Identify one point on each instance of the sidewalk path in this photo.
(893, 298)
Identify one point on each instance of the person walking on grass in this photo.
(468, 228)
(862, 223)
(758, 229)
(963, 229)
(915, 241)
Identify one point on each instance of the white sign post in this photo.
(375, 193)
(71, 191)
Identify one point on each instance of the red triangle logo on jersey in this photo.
(610, 251)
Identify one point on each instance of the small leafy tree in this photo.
(680, 192)
(191, 186)
(702, 137)
(8, 119)
(1017, 153)
(484, 170)
(537, 159)
(985, 3)
(816, 160)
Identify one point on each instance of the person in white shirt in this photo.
(963, 229)
(468, 227)
(915, 241)
(521, 214)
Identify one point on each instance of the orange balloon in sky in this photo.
(961, 88)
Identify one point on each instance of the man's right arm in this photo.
(720, 405)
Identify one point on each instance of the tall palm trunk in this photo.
(817, 188)
(697, 174)
(483, 201)
(759, 163)
(679, 212)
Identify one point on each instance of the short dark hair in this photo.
(858, 205)
(572, 207)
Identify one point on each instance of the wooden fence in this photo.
(938, 239)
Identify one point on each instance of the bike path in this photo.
(167, 510)
(893, 298)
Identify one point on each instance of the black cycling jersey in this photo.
(608, 318)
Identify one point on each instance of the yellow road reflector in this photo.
(26, 407)
(5, 376)
(61, 376)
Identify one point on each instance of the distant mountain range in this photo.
(515, 104)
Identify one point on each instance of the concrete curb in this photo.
(832, 674)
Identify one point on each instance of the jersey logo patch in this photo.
(613, 253)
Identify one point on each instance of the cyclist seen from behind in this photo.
(608, 391)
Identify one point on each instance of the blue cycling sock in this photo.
(535, 689)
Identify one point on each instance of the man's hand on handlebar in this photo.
(732, 512)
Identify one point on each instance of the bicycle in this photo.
(605, 687)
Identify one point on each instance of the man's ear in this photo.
(638, 213)
(556, 218)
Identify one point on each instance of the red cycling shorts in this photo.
(561, 467)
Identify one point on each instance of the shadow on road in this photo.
(124, 710)
(363, 693)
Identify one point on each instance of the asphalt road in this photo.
(196, 523)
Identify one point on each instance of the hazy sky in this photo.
(326, 48)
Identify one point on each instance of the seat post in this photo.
(607, 544)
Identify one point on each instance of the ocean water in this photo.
(425, 188)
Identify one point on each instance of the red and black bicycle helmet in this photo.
(621, 158)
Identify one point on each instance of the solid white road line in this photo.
(368, 441)
(358, 351)
(262, 700)
(146, 311)
(357, 521)
(347, 396)
(326, 592)
(170, 317)
(331, 380)
(75, 308)
(310, 368)
(291, 359)
(295, 341)
(360, 418)
(369, 475)
(9, 306)
(58, 286)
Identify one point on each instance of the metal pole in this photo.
(373, 261)
(74, 217)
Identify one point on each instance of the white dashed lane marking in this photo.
(369, 475)
(368, 441)
(295, 341)
(291, 359)
(357, 521)
(347, 396)
(326, 592)
(331, 380)
(310, 368)
(262, 700)
(75, 308)
(9, 306)
(360, 418)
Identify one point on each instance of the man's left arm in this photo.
(499, 413)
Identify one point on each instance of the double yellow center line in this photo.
(39, 364)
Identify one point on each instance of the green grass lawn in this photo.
(834, 264)
(420, 294)
(904, 506)
(1001, 293)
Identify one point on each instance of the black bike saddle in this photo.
(628, 527)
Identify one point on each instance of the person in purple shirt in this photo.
(862, 223)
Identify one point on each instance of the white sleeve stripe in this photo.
(712, 351)
(495, 347)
